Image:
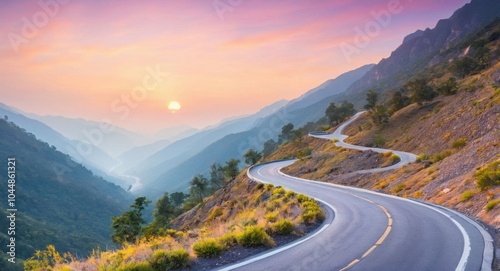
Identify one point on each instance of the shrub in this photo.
(271, 217)
(422, 157)
(179, 258)
(395, 158)
(171, 232)
(399, 188)
(335, 140)
(160, 260)
(289, 194)
(312, 215)
(440, 156)
(459, 143)
(312, 212)
(215, 212)
(249, 222)
(491, 204)
(488, 176)
(324, 128)
(228, 240)
(268, 187)
(135, 266)
(467, 195)
(381, 185)
(283, 227)
(302, 198)
(271, 206)
(43, 260)
(208, 248)
(279, 191)
(448, 87)
(418, 194)
(260, 185)
(379, 140)
(254, 236)
(303, 153)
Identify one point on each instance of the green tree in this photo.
(269, 147)
(449, 87)
(198, 188)
(371, 99)
(163, 211)
(332, 113)
(231, 169)
(298, 134)
(217, 176)
(286, 132)
(464, 66)
(252, 157)
(336, 114)
(346, 110)
(379, 114)
(177, 199)
(420, 91)
(397, 101)
(127, 227)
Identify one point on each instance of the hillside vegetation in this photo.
(240, 219)
(54, 198)
(455, 132)
(445, 108)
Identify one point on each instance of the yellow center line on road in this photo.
(379, 241)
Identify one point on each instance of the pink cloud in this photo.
(272, 49)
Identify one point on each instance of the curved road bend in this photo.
(405, 157)
(372, 231)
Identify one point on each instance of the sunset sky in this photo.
(219, 58)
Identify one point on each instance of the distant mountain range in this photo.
(419, 50)
(59, 201)
(168, 159)
(174, 174)
(182, 150)
(92, 157)
(115, 142)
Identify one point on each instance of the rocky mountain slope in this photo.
(424, 48)
(455, 135)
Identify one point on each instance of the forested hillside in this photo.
(58, 201)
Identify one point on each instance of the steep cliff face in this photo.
(419, 48)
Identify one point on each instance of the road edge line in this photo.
(286, 247)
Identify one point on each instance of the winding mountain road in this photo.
(365, 230)
(405, 157)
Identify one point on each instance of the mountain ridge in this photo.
(418, 50)
(299, 111)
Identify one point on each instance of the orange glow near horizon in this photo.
(101, 60)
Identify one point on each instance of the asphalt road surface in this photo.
(365, 230)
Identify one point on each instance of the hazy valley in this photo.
(185, 198)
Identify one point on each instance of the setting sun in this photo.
(174, 106)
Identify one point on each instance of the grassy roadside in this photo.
(239, 220)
